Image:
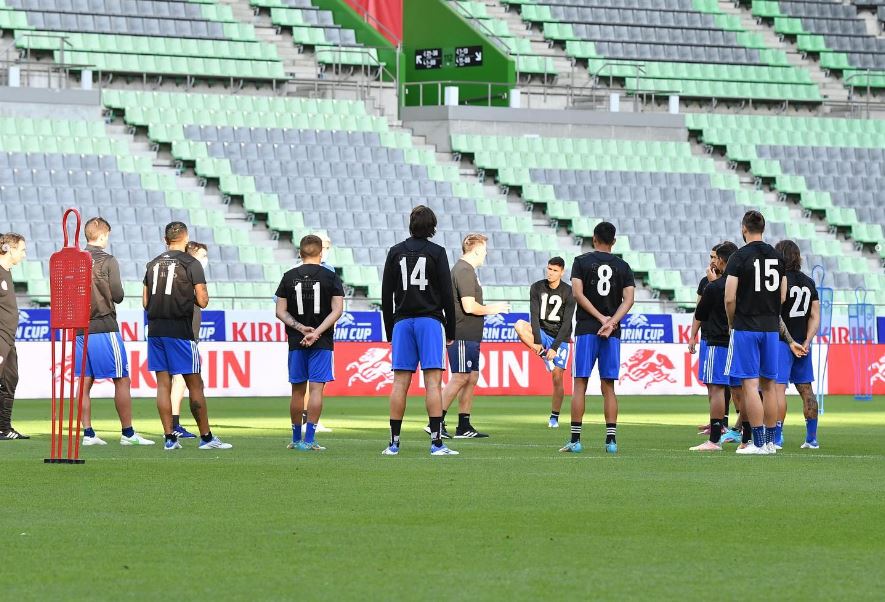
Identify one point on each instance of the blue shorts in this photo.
(713, 364)
(561, 359)
(702, 358)
(418, 341)
(175, 356)
(314, 365)
(590, 348)
(792, 369)
(752, 354)
(105, 356)
(464, 357)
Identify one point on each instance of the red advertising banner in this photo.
(850, 365)
(387, 13)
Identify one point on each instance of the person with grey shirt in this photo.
(12, 252)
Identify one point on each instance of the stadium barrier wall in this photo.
(249, 369)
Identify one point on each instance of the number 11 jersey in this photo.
(417, 283)
(604, 276)
(170, 279)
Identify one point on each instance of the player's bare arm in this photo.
(626, 303)
(693, 338)
(813, 325)
(337, 309)
(470, 306)
(144, 297)
(201, 294)
(289, 320)
(731, 287)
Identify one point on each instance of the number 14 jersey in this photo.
(604, 276)
(417, 283)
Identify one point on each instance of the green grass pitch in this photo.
(510, 518)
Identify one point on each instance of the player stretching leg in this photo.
(310, 300)
(105, 354)
(755, 288)
(173, 284)
(13, 251)
(418, 308)
(551, 311)
(201, 252)
(801, 315)
(464, 352)
(603, 287)
(711, 312)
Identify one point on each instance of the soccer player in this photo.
(801, 314)
(711, 313)
(551, 311)
(604, 289)
(105, 353)
(418, 308)
(755, 288)
(469, 322)
(200, 252)
(173, 283)
(310, 300)
(13, 251)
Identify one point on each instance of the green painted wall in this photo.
(433, 24)
(366, 34)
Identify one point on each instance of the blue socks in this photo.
(128, 431)
(779, 432)
(810, 429)
(90, 432)
(310, 433)
(296, 433)
(758, 436)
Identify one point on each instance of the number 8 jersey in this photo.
(604, 276)
(170, 281)
(759, 270)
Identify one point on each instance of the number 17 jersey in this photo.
(604, 276)
(417, 283)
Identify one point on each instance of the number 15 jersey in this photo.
(417, 283)
(170, 281)
(604, 276)
(759, 270)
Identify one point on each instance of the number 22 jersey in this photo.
(604, 276)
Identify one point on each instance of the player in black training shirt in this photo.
(418, 307)
(173, 283)
(551, 312)
(106, 354)
(310, 300)
(755, 288)
(801, 315)
(712, 273)
(13, 251)
(603, 287)
(711, 313)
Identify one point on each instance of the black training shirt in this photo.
(801, 293)
(605, 276)
(711, 311)
(552, 310)
(170, 280)
(759, 270)
(107, 291)
(308, 291)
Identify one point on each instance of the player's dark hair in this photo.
(95, 227)
(754, 222)
(725, 250)
(557, 261)
(9, 240)
(192, 247)
(422, 222)
(310, 246)
(175, 231)
(791, 253)
(604, 232)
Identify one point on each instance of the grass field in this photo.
(509, 518)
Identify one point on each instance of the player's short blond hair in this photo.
(473, 240)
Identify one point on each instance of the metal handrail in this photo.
(851, 89)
